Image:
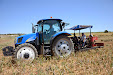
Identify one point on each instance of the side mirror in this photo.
(64, 24)
(33, 29)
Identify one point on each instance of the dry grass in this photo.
(98, 61)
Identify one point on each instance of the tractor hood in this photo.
(25, 38)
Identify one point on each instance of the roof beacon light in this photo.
(51, 17)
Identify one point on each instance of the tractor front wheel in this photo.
(62, 46)
(25, 52)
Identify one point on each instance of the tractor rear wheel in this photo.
(62, 46)
(25, 52)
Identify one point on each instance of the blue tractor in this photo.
(47, 39)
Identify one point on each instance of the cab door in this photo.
(46, 33)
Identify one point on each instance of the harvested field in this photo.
(95, 61)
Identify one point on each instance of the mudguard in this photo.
(58, 34)
(62, 32)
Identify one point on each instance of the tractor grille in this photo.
(20, 39)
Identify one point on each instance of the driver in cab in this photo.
(51, 28)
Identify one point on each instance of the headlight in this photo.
(15, 41)
(20, 39)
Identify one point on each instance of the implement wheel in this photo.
(62, 46)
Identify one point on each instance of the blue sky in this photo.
(16, 16)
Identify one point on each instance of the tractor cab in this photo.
(46, 28)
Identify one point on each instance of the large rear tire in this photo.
(62, 46)
(25, 52)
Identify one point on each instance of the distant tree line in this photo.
(19, 34)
